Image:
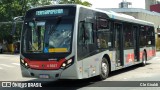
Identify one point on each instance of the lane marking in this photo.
(1, 68)
(16, 64)
(6, 65)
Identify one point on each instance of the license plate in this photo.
(43, 76)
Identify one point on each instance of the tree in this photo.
(85, 3)
(13, 8)
(36, 3)
(8, 10)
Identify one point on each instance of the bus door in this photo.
(136, 43)
(119, 44)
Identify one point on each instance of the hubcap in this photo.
(104, 68)
(144, 59)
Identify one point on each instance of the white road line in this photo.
(5, 65)
(1, 68)
(16, 64)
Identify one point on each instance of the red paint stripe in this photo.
(44, 65)
(140, 55)
(130, 58)
(151, 53)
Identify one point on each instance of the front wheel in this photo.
(104, 69)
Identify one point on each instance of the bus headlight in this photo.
(63, 65)
(26, 64)
(67, 63)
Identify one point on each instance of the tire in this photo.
(104, 69)
(1, 51)
(144, 59)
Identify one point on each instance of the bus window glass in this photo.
(34, 40)
(61, 37)
(81, 33)
(88, 33)
(142, 36)
(48, 36)
(85, 33)
(150, 36)
(104, 38)
(128, 35)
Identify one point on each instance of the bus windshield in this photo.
(47, 35)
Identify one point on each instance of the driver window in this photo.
(85, 33)
(89, 33)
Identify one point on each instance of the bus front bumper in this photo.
(46, 74)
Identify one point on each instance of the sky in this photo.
(115, 3)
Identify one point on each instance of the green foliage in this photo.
(13, 8)
(85, 3)
(5, 32)
(5, 35)
(9, 9)
(36, 3)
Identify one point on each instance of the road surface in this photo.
(10, 71)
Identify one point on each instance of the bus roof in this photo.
(111, 14)
(48, 6)
(122, 17)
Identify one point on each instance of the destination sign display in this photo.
(52, 12)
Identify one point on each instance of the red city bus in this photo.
(77, 42)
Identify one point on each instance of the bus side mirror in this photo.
(16, 19)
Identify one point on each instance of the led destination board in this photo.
(52, 12)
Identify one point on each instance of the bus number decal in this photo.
(52, 65)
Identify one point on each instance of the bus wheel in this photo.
(104, 69)
(144, 59)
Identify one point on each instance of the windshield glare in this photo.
(47, 36)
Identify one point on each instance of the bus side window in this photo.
(142, 36)
(102, 40)
(128, 36)
(80, 33)
(89, 33)
(150, 36)
(85, 33)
